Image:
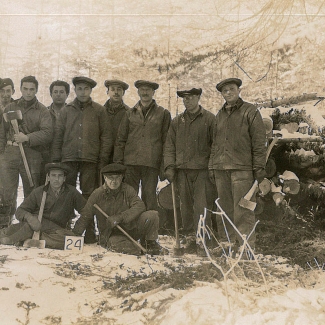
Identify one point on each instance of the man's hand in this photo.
(170, 174)
(21, 137)
(211, 176)
(113, 221)
(33, 221)
(259, 174)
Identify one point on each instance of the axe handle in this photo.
(36, 234)
(178, 245)
(21, 148)
(269, 149)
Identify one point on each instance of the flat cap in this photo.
(6, 82)
(92, 83)
(113, 169)
(140, 83)
(224, 82)
(193, 91)
(112, 82)
(59, 165)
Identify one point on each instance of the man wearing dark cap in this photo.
(140, 141)
(124, 208)
(61, 202)
(7, 89)
(186, 157)
(237, 158)
(115, 107)
(35, 132)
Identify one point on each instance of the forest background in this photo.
(275, 46)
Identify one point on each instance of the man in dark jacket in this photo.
(124, 208)
(115, 107)
(61, 201)
(237, 157)
(186, 158)
(140, 141)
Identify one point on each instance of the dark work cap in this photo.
(224, 82)
(6, 82)
(116, 82)
(146, 83)
(59, 165)
(92, 83)
(113, 169)
(193, 91)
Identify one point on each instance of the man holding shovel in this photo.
(237, 158)
(117, 205)
(56, 212)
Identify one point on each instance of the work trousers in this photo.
(149, 180)
(196, 193)
(12, 166)
(232, 185)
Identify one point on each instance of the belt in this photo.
(12, 143)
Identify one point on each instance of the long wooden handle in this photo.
(36, 234)
(29, 175)
(178, 245)
(270, 147)
(121, 229)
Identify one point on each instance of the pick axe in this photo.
(245, 201)
(12, 117)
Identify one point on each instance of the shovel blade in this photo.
(246, 204)
(34, 243)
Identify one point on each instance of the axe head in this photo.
(13, 115)
(246, 204)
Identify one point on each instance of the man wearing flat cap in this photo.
(124, 208)
(115, 107)
(83, 140)
(186, 157)
(237, 158)
(60, 204)
(140, 141)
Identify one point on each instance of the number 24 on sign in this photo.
(74, 243)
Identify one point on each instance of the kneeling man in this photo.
(61, 201)
(124, 208)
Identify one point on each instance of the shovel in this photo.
(178, 250)
(13, 116)
(35, 241)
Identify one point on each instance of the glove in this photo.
(170, 174)
(113, 221)
(211, 176)
(259, 174)
(33, 221)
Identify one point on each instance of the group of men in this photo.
(127, 150)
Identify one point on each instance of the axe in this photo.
(245, 202)
(12, 117)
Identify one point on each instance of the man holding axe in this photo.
(121, 216)
(26, 127)
(237, 158)
(48, 209)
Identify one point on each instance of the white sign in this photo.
(74, 243)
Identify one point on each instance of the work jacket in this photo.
(36, 123)
(82, 134)
(58, 210)
(188, 143)
(140, 139)
(239, 139)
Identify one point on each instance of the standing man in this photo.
(61, 202)
(59, 91)
(186, 158)
(237, 157)
(115, 107)
(35, 132)
(7, 89)
(83, 140)
(140, 141)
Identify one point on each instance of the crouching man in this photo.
(124, 208)
(61, 201)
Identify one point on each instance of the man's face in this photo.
(230, 93)
(59, 95)
(191, 102)
(28, 90)
(56, 178)
(146, 93)
(115, 93)
(6, 94)
(113, 181)
(83, 91)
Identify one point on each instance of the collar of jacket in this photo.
(64, 187)
(76, 103)
(186, 112)
(31, 104)
(51, 109)
(138, 105)
(109, 192)
(238, 104)
(112, 110)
